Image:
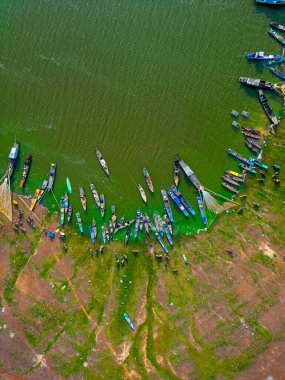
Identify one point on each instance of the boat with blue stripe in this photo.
(202, 210)
(183, 200)
(277, 73)
(177, 201)
(161, 242)
(167, 204)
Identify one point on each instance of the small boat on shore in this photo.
(277, 73)
(104, 234)
(178, 202)
(40, 193)
(68, 185)
(95, 194)
(35, 199)
(141, 222)
(65, 202)
(256, 83)
(138, 217)
(259, 163)
(167, 233)
(102, 161)
(230, 180)
(238, 176)
(82, 198)
(167, 204)
(277, 36)
(51, 177)
(61, 203)
(102, 204)
(251, 147)
(176, 170)
(79, 222)
(251, 135)
(142, 193)
(261, 56)
(248, 169)
(202, 210)
(93, 231)
(156, 222)
(183, 200)
(113, 217)
(129, 321)
(13, 158)
(147, 223)
(267, 108)
(161, 242)
(254, 143)
(277, 26)
(127, 236)
(148, 180)
(251, 130)
(69, 212)
(26, 170)
(240, 157)
(230, 188)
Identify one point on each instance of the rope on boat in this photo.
(19, 196)
(55, 198)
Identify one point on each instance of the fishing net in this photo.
(5, 199)
(213, 205)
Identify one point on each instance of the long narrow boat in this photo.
(178, 202)
(183, 200)
(254, 143)
(167, 204)
(237, 175)
(93, 231)
(69, 212)
(148, 180)
(259, 163)
(251, 147)
(202, 210)
(238, 179)
(82, 198)
(79, 221)
(35, 199)
(276, 61)
(161, 242)
(95, 194)
(176, 170)
(251, 130)
(13, 158)
(230, 188)
(127, 236)
(240, 157)
(251, 135)
(26, 170)
(65, 202)
(271, 2)
(261, 56)
(102, 204)
(191, 175)
(277, 73)
(68, 185)
(102, 161)
(256, 83)
(156, 223)
(141, 222)
(61, 210)
(167, 233)
(248, 169)
(51, 177)
(147, 224)
(39, 195)
(129, 321)
(142, 193)
(267, 108)
(113, 217)
(277, 36)
(104, 234)
(230, 180)
(138, 216)
(277, 26)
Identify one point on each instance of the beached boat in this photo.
(61, 203)
(277, 26)
(142, 193)
(254, 149)
(93, 231)
(202, 210)
(167, 233)
(69, 212)
(256, 83)
(102, 204)
(51, 177)
(230, 180)
(251, 135)
(68, 185)
(129, 321)
(259, 163)
(95, 194)
(13, 158)
(267, 108)
(156, 223)
(251, 130)
(113, 217)
(176, 170)
(260, 55)
(148, 179)
(167, 204)
(82, 198)
(141, 222)
(230, 188)
(39, 195)
(240, 157)
(276, 61)
(104, 234)
(65, 202)
(79, 222)
(178, 202)
(138, 216)
(183, 200)
(26, 170)
(127, 236)
(254, 143)
(35, 199)
(277, 73)
(147, 223)
(161, 242)
(277, 36)
(102, 161)
(248, 169)
(237, 177)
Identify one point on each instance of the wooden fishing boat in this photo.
(202, 210)
(111, 229)
(277, 26)
(79, 222)
(69, 212)
(169, 226)
(82, 198)
(40, 193)
(61, 203)
(148, 180)
(176, 170)
(102, 204)
(129, 321)
(51, 177)
(261, 56)
(277, 73)
(167, 233)
(167, 204)
(141, 222)
(148, 222)
(240, 157)
(161, 242)
(120, 224)
(251, 147)
(95, 194)
(238, 176)
(277, 36)
(183, 200)
(231, 188)
(177, 202)
(102, 161)
(267, 108)
(253, 142)
(94, 226)
(114, 217)
(65, 202)
(127, 236)
(156, 223)
(35, 199)
(251, 130)
(249, 169)
(240, 179)
(26, 170)
(230, 180)
(103, 234)
(68, 185)
(251, 135)
(13, 158)
(256, 83)
(138, 216)
(142, 193)
(146, 225)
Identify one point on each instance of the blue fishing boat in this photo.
(161, 242)
(183, 200)
(276, 61)
(277, 73)
(129, 321)
(178, 203)
(93, 231)
(51, 177)
(259, 163)
(167, 233)
(271, 2)
(261, 56)
(79, 221)
(249, 169)
(202, 210)
(104, 235)
(138, 217)
(167, 204)
(240, 157)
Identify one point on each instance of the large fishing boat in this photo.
(13, 157)
(240, 157)
(277, 36)
(148, 179)
(202, 210)
(95, 194)
(277, 26)
(167, 204)
(102, 161)
(51, 177)
(256, 83)
(26, 170)
(267, 108)
(261, 56)
(183, 200)
(178, 202)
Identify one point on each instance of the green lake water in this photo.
(141, 79)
